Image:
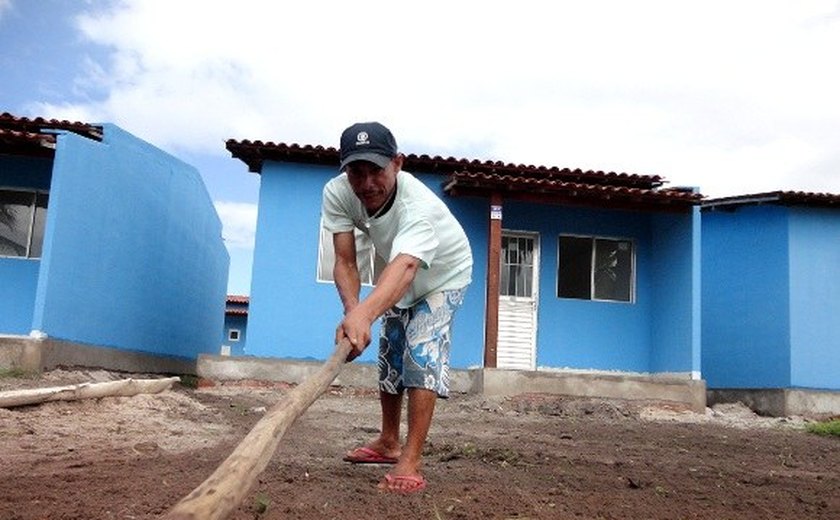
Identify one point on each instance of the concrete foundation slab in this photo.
(690, 392)
(781, 402)
(227, 368)
(496, 382)
(36, 355)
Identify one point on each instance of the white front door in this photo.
(518, 296)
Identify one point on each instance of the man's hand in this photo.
(356, 328)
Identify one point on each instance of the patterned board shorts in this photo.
(414, 344)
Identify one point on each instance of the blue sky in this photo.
(733, 97)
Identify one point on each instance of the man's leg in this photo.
(388, 442)
(421, 408)
(391, 347)
(425, 375)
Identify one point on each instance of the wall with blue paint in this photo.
(643, 336)
(291, 315)
(19, 276)
(133, 256)
(240, 323)
(814, 298)
(468, 329)
(746, 335)
(18, 281)
(25, 172)
(675, 320)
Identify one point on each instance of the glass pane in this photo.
(368, 262)
(364, 257)
(528, 279)
(504, 280)
(575, 268)
(38, 226)
(326, 256)
(511, 288)
(613, 270)
(15, 221)
(379, 264)
(517, 258)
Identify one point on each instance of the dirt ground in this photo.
(529, 457)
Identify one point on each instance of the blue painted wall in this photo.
(18, 281)
(674, 256)
(19, 276)
(25, 172)
(133, 256)
(746, 298)
(653, 334)
(240, 323)
(815, 298)
(293, 316)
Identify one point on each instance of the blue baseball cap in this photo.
(371, 142)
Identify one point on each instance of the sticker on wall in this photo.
(495, 212)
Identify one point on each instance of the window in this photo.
(233, 335)
(517, 261)
(370, 264)
(22, 218)
(595, 269)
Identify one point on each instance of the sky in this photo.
(732, 97)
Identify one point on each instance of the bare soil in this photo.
(529, 457)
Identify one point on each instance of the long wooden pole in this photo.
(123, 387)
(218, 496)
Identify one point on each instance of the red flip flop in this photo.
(365, 455)
(404, 484)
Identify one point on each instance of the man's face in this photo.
(372, 184)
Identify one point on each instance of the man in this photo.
(429, 265)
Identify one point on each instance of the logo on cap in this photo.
(362, 138)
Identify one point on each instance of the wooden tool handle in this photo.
(223, 491)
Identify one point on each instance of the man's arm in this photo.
(393, 283)
(345, 270)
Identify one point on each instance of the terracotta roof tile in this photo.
(255, 153)
(9, 137)
(779, 198)
(43, 126)
(544, 184)
(556, 190)
(236, 305)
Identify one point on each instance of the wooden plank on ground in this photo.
(124, 387)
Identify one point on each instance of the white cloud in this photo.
(5, 6)
(732, 97)
(239, 223)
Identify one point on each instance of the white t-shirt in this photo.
(417, 224)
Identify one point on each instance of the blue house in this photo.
(580, 270)
(771, 300)
(236, 325)
(111, 251)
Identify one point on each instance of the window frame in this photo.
(234, 332)
(593, 239)
(374, 265)
(36, 197)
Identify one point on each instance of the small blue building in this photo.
(236, 325)
(771, 298)
(574, 269)
(105, 241)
